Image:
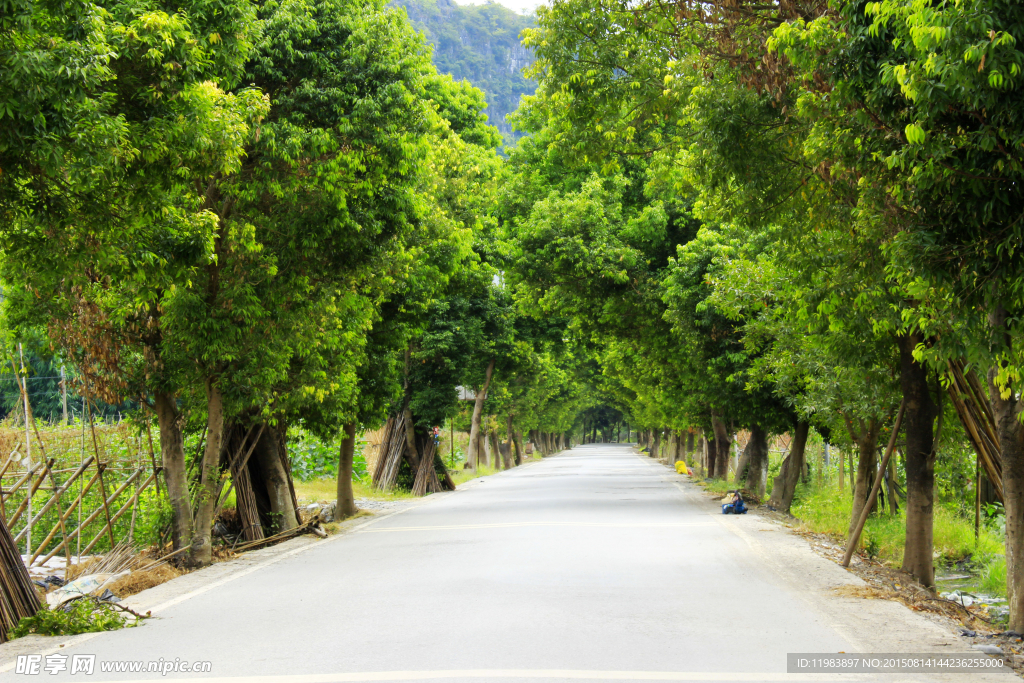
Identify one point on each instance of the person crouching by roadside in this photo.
(736, 507)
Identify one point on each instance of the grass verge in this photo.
(462, 476)
(828, 510)
(319, 490)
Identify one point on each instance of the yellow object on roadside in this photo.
(681, 467)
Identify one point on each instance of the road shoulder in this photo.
(874, 626)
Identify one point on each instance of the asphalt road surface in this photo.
(596, 564)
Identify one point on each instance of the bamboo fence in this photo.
(72, 490)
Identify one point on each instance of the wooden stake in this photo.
(21, 482)
(103, 489)
(27, 503)
(977, 499)
(50, 503)
(866, 510)
(53, 532)
(152, 456)
(23, 386)
(124, 508)
(95, 513)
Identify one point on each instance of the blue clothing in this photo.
(737, 508)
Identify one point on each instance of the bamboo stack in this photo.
(972, 406)
(390, 453)
(18, 597)
(371, 452)
(427, 480)
(245, 497)
(426, 474)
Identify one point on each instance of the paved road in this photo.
(594, 564)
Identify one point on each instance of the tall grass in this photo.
(827, 510)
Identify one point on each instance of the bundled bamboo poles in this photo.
(245, 497)
(396, 440)
(245, 500)
(385, 474)
(972, 406)
(426, 474)
(427, 480)
(17, 594)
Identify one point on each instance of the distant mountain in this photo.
(479, 43)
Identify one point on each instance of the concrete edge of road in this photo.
(192, 584)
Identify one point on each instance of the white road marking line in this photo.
(508, 525)
(524, 673)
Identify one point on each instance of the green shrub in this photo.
(83, 616)
(311, 458)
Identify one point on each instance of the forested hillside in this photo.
(481, 44)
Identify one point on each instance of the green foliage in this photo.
(84, 615)
(453, 459)
(312, 458)
(153, 517)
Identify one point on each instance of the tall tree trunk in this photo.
(1007, 414)
(918, 422)
(710, 457)
(689, 447)
(412, 452)
(486, 451)
(842, 469)
(269, 456)
(890, 484)
(757, 460)
(722, 447)
(784, 487)
(656, 445)
(346, 505)
(853, 474)
(201, 552)
(866, 440)
(172, 454)
(511, 436)
(742, 465)
(495, 449)
(473, 457)
(518, 443)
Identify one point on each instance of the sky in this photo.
(521, 6)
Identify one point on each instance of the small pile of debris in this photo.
(229, 528)
(118, 574)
